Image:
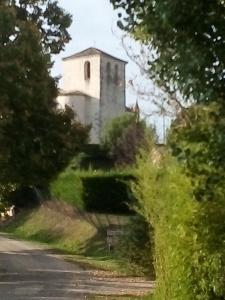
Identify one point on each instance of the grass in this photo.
(68, 186)
(77, 236)
(149, 297)
(80, 237)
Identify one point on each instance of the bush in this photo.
(136, 246)
(92, 156)
(107, 192)
(188, 235)
(165, 198)
(25, 196)
(122, 138)
(99, 191)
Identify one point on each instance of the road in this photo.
(28, 271)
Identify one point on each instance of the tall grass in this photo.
(166, 201)
(68, 187)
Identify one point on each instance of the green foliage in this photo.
(123, 137)
(107, 192)
(136, 246)
(186, 39)
(74, 235)
(47, 16)
(166, 201)
(197, 139)
(91, 156)
(68, 187)
(37, 140)
(98, 191)
(188, 234)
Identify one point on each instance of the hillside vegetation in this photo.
(78, 235)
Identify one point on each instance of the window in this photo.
(116, 75)
(87, 70)
(108, 72)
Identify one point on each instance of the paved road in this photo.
(27, 271)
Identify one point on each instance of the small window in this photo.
(87, 70)
(108, 72)
(116, 75)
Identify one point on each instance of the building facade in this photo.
(94, 87)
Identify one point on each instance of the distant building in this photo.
(94, 87)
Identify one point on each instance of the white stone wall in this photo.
(86, 110)
(112, 91)
(73, 75)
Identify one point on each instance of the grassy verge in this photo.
(68, 186)
(70, 233)
(149, 297)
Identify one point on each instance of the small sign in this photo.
(112, 237)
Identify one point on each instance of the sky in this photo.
(94, 25)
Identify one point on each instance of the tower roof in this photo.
(92, 51)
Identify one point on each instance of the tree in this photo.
(187, 43)
(186, 39)
(198, 143)
(37, 140)
(123, 136)
(46, 16)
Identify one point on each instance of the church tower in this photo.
(94, 87)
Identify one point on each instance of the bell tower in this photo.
(94, 87)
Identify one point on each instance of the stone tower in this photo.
(94, 87)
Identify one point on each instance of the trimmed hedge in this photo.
(107, 193)
(95, 191)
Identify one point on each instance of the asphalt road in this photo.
(28, 271)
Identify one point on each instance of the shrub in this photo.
(165, 198)
(122, 138)
(99, 191)
(107, 192)
(136, 246)
(188, 235)
(92, 156)
(197, 140)
(25, 196)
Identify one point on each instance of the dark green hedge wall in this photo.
(108, 193)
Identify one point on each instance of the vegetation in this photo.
(68, 187)
(200, 146)
(37, 140)
(74, 234)
(96, 191)
(186, 42)
(188, 256)
(92, 156)
(117, 298)
(136, 246)
(107, 192)
(166, 201)
(123, 137)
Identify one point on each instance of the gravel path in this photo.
(28, 271)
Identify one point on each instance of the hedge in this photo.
(95, 191)
(107, 192)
